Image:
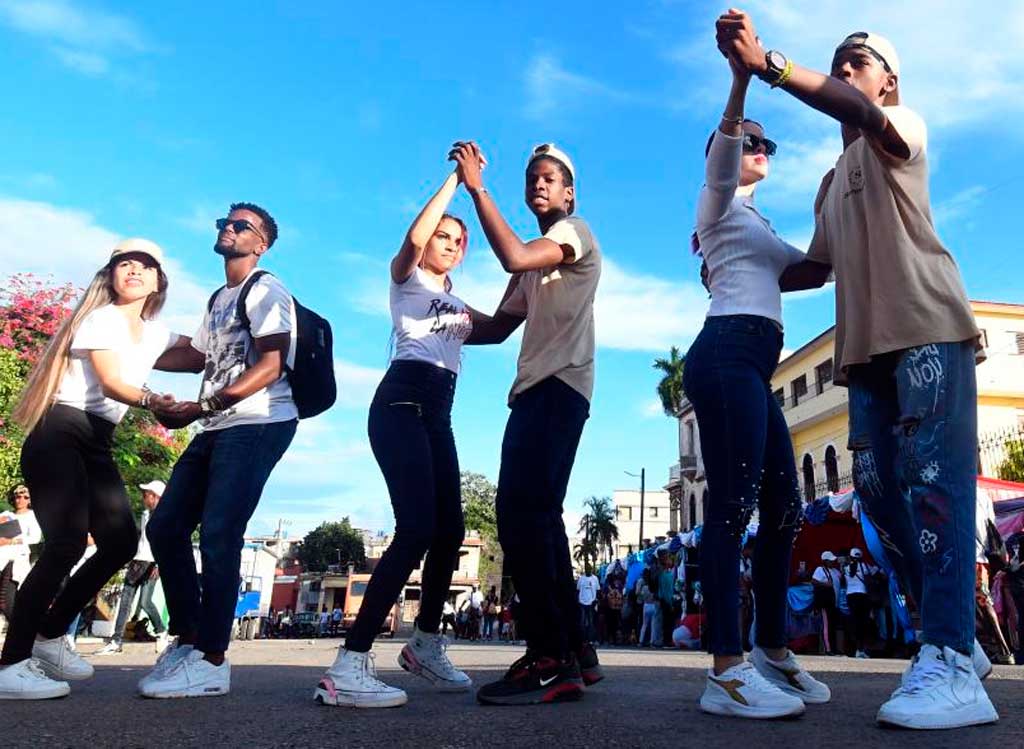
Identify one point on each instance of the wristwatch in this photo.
(776, 62)
(210, 405)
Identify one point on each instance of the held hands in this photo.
(178, 415)
(470, 162)
(738, 42)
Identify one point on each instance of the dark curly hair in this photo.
(269, 225)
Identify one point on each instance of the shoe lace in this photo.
(925, 673)
(35, 669)
(368, 673)
(526, 662)
(753, 679)
(166, 653)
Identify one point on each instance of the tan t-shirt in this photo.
(897, 286)
(558, 304)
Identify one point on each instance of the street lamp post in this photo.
(643, 472)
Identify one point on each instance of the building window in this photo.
(983, 337)
(624, 513)
(808, 471)
(799, 388)
(691, 442)
(780, 397)
(1020, 343)
(823, 376)
(693, 512)
(831, 469)
(652, 512)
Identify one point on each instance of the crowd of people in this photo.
(901, 310)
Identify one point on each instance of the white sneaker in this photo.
(941, 691)
(426, 655)
(191, 676)
(25, 680)
(861, 654)
(979, 660)
(741, 691)
(160, 645)
(167, 660)
(114, 647)
(59, 660)
(788, 676)
(352, 682)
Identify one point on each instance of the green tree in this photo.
(670, 387)
(31, 311)
(478, 495)
(330, 544)
(601, 525)
(1012, 467)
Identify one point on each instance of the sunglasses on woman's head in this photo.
(238, 226)
(751, 142)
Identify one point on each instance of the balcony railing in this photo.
(792, 401)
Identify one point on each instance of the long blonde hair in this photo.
(46, 375)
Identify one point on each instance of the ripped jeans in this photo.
(748, 460)
(914, 437)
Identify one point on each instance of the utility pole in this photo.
(643, 471)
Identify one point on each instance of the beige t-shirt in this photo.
(558, 304)
(897, 286)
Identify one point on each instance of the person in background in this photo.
(857, 572)
(140, 577)
(827, 579)
(614, 600)
(336, 617)
(991, 558)
(447, 617)
(15, 547)
(586, 591)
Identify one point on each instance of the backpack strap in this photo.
(244, 296)
(213, 298)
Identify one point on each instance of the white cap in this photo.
(856, 553)
(828, 556)
(137, 244)
(157, 487)
(877, 44)
(551, 151)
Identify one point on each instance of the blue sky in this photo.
(150, 121)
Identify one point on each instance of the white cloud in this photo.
(959, 205)
(652, 409)
(83, 39)
(797, 170)
(550, 87)
(356, 383)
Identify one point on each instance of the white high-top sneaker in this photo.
(426, 655)
(191, 676)
(25, 680)
(942, 690)
(979, 660)
(60, 661)
(352, 682)
(788, 676)
(741, 691)
(168, 659)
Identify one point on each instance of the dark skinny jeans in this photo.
(411, 436)
(748, 459)
(76, 490)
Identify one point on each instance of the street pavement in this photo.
(649, 699)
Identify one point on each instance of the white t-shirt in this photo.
(430, 323)
(856, 583)
(106, 329)
(476, 599)
(830, 575)
(230, 351)
(20, 553)
(144, 553)
(587, 587)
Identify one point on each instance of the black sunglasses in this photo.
(238, 226)
(751, 142)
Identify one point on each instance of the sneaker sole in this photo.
(414, 667)
(567, 691)
(808, 699)
(942, 721)
(49, 694)
(334, 698)
(735, 710)
(184, 694)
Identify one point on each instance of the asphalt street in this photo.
(649, 699)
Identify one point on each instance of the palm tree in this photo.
(601, 524)
(670, 388)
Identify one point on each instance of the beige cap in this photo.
(551, 151)
(877, 44)
(157, 487)
(137, 244)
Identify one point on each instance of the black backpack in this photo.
(312, 379)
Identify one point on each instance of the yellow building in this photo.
(816, 411)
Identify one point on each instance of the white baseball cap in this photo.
(551, 151)
(828, 556)
(157, 487)
(137, 244)
(878, 45)
(856, 553)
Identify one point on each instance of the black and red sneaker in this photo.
(535, 679)
(590, 668)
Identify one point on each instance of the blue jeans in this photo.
(748, 460)
(914, 437)
(216, 485)
(537, 455)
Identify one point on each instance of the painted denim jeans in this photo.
(913, 433)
